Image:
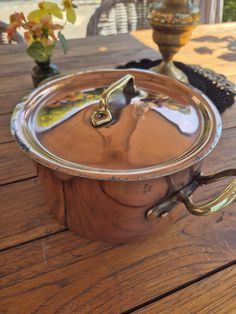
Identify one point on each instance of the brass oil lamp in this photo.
(173, 22)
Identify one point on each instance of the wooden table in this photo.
(44, 268)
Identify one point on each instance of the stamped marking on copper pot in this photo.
(147, 188)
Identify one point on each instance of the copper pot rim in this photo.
(19, 133)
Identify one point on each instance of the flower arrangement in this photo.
(40, 29)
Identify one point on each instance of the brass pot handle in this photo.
(102, 114)
(226, 197)
(222, 200)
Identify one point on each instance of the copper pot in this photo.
(118, 151)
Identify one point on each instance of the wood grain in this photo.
(9, 100)
(14, 164)
(216, 294)
(224, 155)
(5, 135)
(115, 280)
(24, 214)
(67, 274)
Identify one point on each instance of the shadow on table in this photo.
(228, 56)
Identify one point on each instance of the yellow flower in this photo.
(40, 32)
(70, 12)
(45, 8)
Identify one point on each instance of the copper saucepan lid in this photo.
(116, 125)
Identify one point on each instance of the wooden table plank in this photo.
(24, 214)
(14, 164)
(64, 273)
(117, 279)
(9, 100)
(215, 294)
(223, 156)
(5, 134)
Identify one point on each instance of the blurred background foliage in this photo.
(229, 10)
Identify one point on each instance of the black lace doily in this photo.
(214, 85)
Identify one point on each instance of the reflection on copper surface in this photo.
(54, 113)
(140, 134)
(187, 122)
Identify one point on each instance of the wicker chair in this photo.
(118, 16)
(17, 39)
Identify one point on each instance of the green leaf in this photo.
(71, 16)
(37, 51)
(63, 42)
(49, 50)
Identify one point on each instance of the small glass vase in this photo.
(42, 71)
